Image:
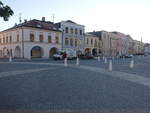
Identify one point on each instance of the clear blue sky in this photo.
(127, 16)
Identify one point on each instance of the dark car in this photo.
(126, 56)
(82, 56)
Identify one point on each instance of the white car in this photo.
(58, 56)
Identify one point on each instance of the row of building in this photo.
(42, 39)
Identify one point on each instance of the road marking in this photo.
(14, 73)
(54, 64)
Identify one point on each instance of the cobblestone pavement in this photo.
(42, 85)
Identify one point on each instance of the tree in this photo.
(5, 11)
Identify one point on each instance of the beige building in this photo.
(109, 42)
(92, 44)
(138, 47)
(31, 39)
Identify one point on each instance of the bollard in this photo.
(113, 58)
(98, 58)
(10, 59)
(65, 62)
(110, 65)
(105, 61)
(132, 64)
(77, 61)
(103, 58)
(123, 57)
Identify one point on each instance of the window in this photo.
(7, 39)
(57, 40)
(76, 42)
(10, 39)
(91, 41)
(66, 41)
(17, 37)
(66, 30)
(41, 38)
(76, 31)
(31, 37)
(80, 32)
(49, 39)
(3, 40)
(95, 43)
(87, 41)
(71, 41)
(71, 30)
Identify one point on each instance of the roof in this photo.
(96, 33)
(88, 34)
(46, 25)
(70, 21)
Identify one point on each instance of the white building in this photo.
(73, 35)
(31, 39)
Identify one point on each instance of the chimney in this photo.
(25, 20)
(15, 24)
(43, 19)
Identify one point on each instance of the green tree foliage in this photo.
(5, 11)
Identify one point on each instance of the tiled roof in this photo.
(46, 25)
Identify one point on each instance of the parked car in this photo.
(82, 56)
(71, 54)
(126, 56)
(58, 56)
(146, 54)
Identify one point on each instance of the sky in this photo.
(127, 16)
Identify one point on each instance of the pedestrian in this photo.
(65, 55)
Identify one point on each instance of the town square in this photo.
(84, 59)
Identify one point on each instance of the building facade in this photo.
(147, 48)
(109, 42)
(73, 35)
(92, 45)
(31, 39)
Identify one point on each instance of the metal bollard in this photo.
(105, 61)
(77, 61)
(65, 62)
(103, 58)
(132, 64)
(110, 65)
(98, 58)
(10, 59)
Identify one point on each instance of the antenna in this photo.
(20, 18)
(53, 16)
